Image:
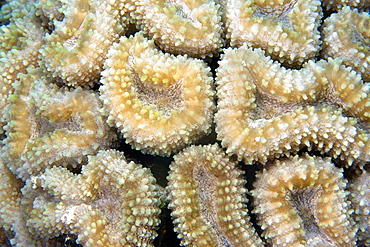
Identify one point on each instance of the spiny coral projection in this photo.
(50, 14)
(182, 26)
(11, 211)
(76, 49)
(207, 198)
(360, 198)
(112, 202)
(20, 41)
(338, 4)
(48, 126)
(344, 88)
(160, 102)
(346, 35)
(301, 201)
(265, 110)
(286, 29)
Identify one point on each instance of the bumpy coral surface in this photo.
(20, 41)
(208, 200)
(11, 212)
(160, 102)
(360, 198)
(265, 110)
(346, 36)
(111, 203)
(301, 201)
(76, 48)
(182, 26)
(73, 82)
(286, 29)
(48, 126)
(338, 4)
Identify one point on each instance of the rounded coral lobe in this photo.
(266, 110)
(207, 198)
(76, 48)
(49, 126)
(182, 26)
(160, 102)
(286, 30)
(111, 203)
(346, 35)
(301, 201)
(20, 41)
(360, 198)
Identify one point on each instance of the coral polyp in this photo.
(207, 198)
(301, 201)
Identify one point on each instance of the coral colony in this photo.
(276, 89)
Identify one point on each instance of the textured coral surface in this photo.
(184, 122)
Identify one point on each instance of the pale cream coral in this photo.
(286, 29)
(159, 102)
(346, 35)
(360, 198)
(50, 13)
(112, 202)
(13, 10)
(11, 211)
(20, 41)
(182, 26)
(324, 106)
(301, 201)
(338, 4)
(344, 88)
(265, 110)
(76, 49)
(47, 125)
(207, 198)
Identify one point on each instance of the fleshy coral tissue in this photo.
(257, 110)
